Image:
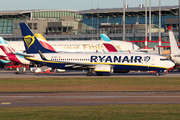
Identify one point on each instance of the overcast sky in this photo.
(76, 4)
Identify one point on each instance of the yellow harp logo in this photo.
(29, 40)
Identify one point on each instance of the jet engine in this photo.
(103, 69)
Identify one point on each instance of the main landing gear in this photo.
(90, 72)
(157, 73)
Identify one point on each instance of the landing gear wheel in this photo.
(89, 74)
(157, 74)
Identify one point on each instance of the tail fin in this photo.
(40, 36)
(44, 42)
(5, 47)
(31, 43)
(10, 54)
(109, 45)
(173, 43)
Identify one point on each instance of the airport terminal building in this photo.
(89, 24)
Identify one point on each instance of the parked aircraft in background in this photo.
(101, 63)
(4, 61)
(2, 54)
(175, 51)
(76, 46)
(108, 44)
(8, 54)
(43, 41)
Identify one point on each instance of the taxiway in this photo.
(87, 98)
(28, 74)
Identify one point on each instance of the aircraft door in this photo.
(152, 61)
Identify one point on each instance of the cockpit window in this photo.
(164, 59)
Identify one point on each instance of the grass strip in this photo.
(88, 84)
(105, 112)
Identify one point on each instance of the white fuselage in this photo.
(133, 61)
(79, 46)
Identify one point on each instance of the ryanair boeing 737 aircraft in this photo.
(101, 63)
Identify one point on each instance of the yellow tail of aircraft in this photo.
(40, 36)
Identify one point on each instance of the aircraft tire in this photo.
(157, 74)
(89, 74)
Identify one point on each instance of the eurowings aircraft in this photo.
(4, 61)
(8, 54)
(111, 47)
(2, 54)
(175, 51)
(108, 44)
(76, 46)
(101, 63)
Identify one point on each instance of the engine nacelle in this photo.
(103, 69)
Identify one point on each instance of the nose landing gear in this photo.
(157, 73)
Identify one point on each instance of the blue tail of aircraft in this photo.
(31, 43)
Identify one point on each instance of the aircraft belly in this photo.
(131, 67)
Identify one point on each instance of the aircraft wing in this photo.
(70, 64)
(25, 55)
(78, 65)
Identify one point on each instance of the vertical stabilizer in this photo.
(109, 45)
(5, 47)
(10, 54)
(31, 43)
(44, 42)
(173, 42)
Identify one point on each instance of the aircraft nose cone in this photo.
(171, 64)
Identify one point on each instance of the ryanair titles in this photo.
(122, 59)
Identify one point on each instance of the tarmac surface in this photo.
(12, 74)
(85, 98)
